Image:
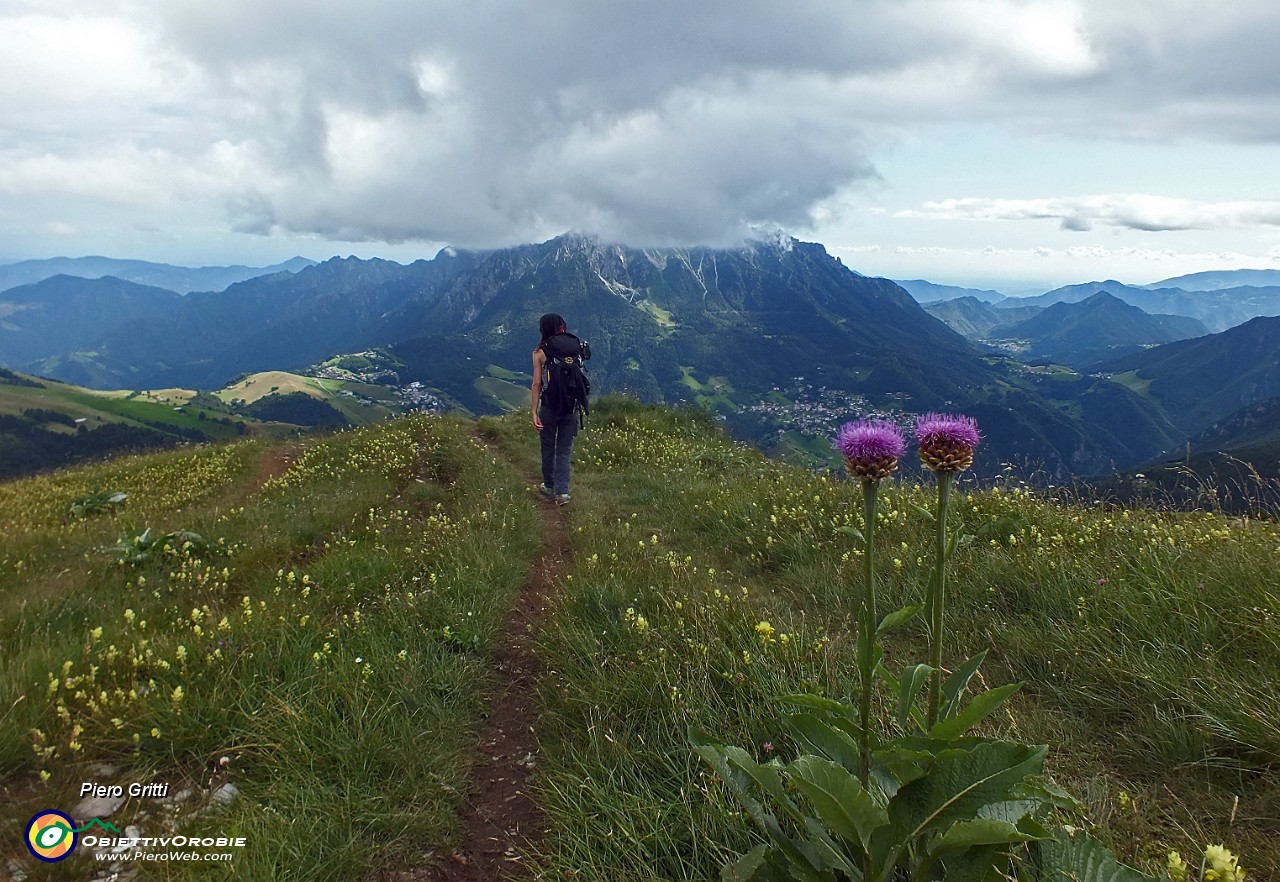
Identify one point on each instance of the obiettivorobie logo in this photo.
(51, 835)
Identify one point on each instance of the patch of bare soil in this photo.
(274, 463)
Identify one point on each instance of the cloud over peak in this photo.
(669, 123)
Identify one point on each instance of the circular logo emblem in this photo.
(568, 359)
(51, 835)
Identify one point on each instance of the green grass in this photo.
(713, 393)
(663, 317)
(704, 582)
(162, 416)
(1131, 380)
(1148, 642)
(309, 645)
(511, 376)
(506, 395)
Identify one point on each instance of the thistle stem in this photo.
(938, 600)
(866, 629)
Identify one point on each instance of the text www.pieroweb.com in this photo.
(176, 848)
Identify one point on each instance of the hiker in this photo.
(559, 401)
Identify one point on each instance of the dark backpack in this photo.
(567, 388)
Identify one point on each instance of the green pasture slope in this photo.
(310, 649)
(306, 643)
(35, 393)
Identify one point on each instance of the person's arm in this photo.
(536, 389)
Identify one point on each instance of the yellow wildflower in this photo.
(1223, 865)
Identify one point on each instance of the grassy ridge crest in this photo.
(336, 643)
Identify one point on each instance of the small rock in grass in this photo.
(225, 794)
(97, 807)
(174, 801)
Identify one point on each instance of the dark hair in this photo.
(550, 325)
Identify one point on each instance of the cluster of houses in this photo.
(373, 370)
(819, 411)
(415, 397)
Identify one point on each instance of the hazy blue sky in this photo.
(1001, 143)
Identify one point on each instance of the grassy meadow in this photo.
(331, 635)
(326, 650)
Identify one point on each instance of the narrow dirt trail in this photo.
(275, 462)
(500, 817)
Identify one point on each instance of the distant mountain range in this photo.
(928, 292)
(1090, 331)
(1219, 279)
(977, 320)
(727, 328)
(1079, 334)
(1217, 309)
(778, 337)
(1220, 300)
(157, 275)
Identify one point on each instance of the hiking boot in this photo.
(546, 490)
(562, 499)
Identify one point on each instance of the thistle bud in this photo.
(946, 441)
(871, 448)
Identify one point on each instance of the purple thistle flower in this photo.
(871, 448)
(946, 441)
(948, 427)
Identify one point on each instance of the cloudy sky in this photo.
(999, 143)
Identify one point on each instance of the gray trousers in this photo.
(558, 432)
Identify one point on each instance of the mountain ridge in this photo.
(723, 327)
(1201, 380)
(1096, 329)
(181, 279)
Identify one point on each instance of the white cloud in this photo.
(441, 121)
(1137, 211)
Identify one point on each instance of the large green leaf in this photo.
(821, 703)
(854, 532)
(975, 849)
(896, 764)
(913, 680)
(826, 740)
(897, 619)
(979, 864)
(765, 776)
(736, 767)
(954, 686)
(838, 798)
(958, 785)
(982, 831)
(828, 853)
(758, 865)
(982, 706)
(1080, 858)
(1050, 795)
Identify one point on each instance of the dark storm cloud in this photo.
(485, 123)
